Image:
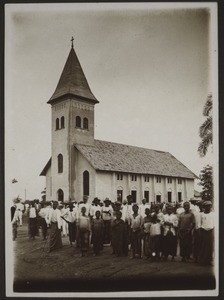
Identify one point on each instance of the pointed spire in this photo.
(72, 82)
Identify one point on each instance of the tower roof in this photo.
(73, 81)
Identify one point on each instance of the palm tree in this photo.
(205, 130)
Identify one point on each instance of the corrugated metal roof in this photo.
(108, 156)
(73, 81)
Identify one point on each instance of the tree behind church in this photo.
(206, 181)
(205, 130)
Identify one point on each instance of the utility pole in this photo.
(25, 194)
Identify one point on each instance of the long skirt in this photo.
(55, 237)
(196, 243)
(185, 237)
(72, 232)
(33, 227)
(169, 245)
(44, 227)
(119, 239)
(107, 231)
(146, 244)
(97, 239)
(207, 246)
(136, 242)
(84, 239)
(155, 244)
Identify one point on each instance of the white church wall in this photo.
(83, 165)
(48, 185)
(105, 186)
(60, 146)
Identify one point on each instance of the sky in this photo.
(151, 66)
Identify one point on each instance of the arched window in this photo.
(86, 183)
(134, 194)
(60, 163)
(60, 195)
(57, 124)
(62, 122)
(78, 121)
(120, 193)
(85, 123)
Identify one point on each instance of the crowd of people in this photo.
(152, 231)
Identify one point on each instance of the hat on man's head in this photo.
(107, 200)
(207, 203)
(96, 200)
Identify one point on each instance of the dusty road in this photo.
(64, 270)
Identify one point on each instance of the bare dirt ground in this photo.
(64, 270)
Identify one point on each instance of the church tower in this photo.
(72, 106)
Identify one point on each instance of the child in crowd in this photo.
(97, 233)
(146, 233)
(155, 234)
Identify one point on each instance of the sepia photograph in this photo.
(111, 150)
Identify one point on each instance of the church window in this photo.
(147, 178)
(57, 124)
(60, 195)
(119, 176)
(179, 181)
(146, 195)
(179, 196)
(78, 121)
(120, 195)
(169, 196)
(133, 177)
(134, 196)
(158, 198)
(86, 183)
(60, 163)
(169, 180)
(85, 123)
(158, 179)
(62, 122)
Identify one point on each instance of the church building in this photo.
(83, 166)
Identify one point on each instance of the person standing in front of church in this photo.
(84, 231)
(207, 234)
(107, 212)
(69, 216)
(33, 222)
(55, 223)
(136, 223)
(186, 225)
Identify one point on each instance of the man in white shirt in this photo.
(55, 222)
(136, 222)
(107, 213)
(20, 210)
(142, 208)
(84, 204)
(94, 208)
(70, 217)
(14, 221)
(207, 234)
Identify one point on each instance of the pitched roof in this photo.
(45, 169)
(73, 81)
(107, 156)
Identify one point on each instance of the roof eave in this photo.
(54, 100)
(46, 168)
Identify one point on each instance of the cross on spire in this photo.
(72, 39)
